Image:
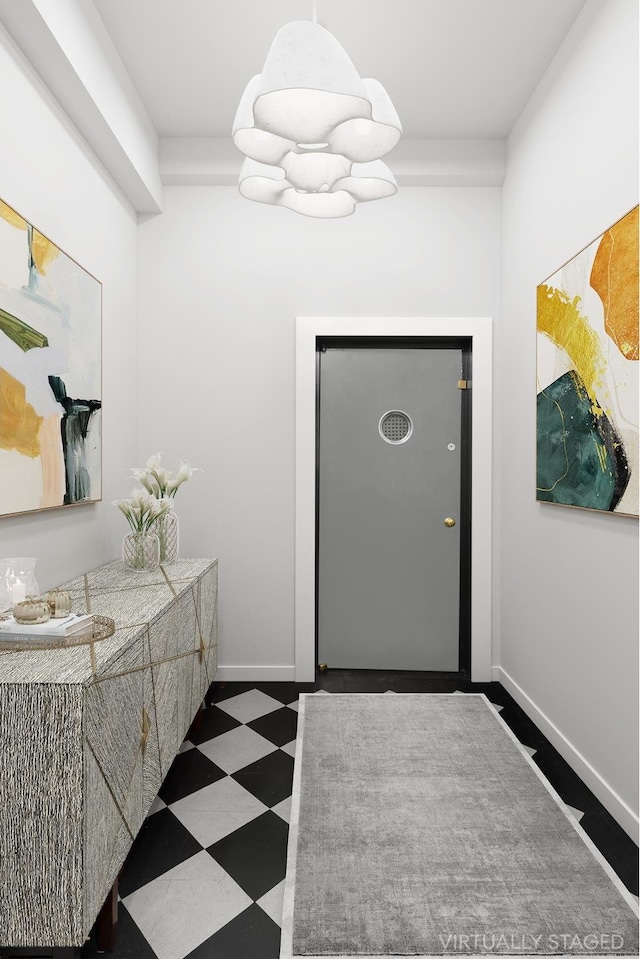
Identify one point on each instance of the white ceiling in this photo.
(453, 68)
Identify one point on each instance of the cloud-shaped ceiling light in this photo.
(313, 132)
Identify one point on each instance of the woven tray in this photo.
(103, 627)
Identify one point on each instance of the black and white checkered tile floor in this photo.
(205, 876)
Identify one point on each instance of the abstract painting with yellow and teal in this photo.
(50, 373)
(587, 376)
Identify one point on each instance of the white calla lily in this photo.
(154, 497)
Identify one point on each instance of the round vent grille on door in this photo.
(395, 427)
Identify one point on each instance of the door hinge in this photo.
(464, 384)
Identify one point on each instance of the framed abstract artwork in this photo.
(587, 376)
(50, 373)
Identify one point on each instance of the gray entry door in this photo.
(388, 566)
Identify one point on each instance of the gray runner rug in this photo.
(421, 827)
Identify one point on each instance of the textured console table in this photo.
(87, 734)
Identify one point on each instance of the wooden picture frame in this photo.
(587, 376)
(50, 373)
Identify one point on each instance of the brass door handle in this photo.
(449, 521)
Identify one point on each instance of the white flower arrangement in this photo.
(142, 509)
(148, 510)
(156, 494)
(158, 482)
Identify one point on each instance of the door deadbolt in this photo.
(449, 521)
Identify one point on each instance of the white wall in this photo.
(569, 577)
(221, 282)
(49, 176)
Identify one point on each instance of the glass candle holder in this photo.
(17, 580)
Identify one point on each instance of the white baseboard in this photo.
(259, 674)
(495, 674)
(621, 812)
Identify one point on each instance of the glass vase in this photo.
(167, 529)
(141, 550)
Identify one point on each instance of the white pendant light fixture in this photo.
(312, 131)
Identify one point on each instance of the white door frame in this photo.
(308, 328)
